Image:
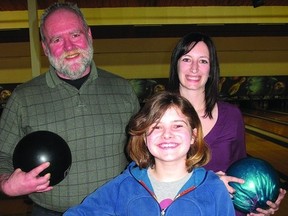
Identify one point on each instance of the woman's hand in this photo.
(273, 206)
(261, 212)
(226, 179)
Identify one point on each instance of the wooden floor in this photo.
(266, 138)
(20, 206)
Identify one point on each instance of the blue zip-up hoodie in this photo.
(131, 194)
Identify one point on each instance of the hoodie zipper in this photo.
(163, 211)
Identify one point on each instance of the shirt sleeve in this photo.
(9, 133)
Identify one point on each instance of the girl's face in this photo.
(194, 68)
(169, 139)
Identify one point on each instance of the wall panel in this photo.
(150, 57)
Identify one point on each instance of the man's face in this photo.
(68, 44)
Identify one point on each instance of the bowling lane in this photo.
(266, 125)
(274, 116)
(275, 154)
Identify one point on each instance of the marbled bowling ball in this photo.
(262, 183)
(42, 146)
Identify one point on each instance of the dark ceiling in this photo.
(227, 30)
(22, 4)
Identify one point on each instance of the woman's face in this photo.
(169, 139)
(194, 68)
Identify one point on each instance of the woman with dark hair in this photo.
(165, 178)
(194, 74)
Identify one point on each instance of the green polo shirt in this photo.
(92, 120)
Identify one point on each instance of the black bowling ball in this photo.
(42, 146)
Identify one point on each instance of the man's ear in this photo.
(89, 34)
(45, 48)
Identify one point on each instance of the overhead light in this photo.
(257, 3)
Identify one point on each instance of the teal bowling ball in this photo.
(43, 146)
(262, 183)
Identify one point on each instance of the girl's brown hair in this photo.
(152, 111)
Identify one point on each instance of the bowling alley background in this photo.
(264, 91)
(251, 42)
(255, 91)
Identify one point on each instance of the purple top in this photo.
(226, 139)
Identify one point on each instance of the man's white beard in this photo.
(76, 69)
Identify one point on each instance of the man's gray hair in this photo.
(58, 6)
